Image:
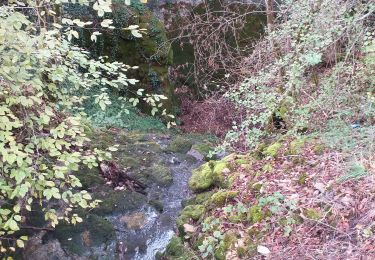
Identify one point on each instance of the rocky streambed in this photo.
(128, 224)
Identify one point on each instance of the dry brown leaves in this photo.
(346, 225)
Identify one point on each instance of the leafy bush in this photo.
(43, 77)
(315, 65)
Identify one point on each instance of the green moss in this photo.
(227, 242)
(219, 198)
(312, 213)
(201, 198)
(302, 178)
(255, 187)
(207, 176)
(296, 146)
(161, 175)
(193, 212)
(176, 250)
(130, 162)
(241, 161)
(255, 214)
(237, 218)
(272, 150)
(179, 145)
(230, 158)
(267, 167)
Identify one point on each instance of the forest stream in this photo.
(129, 225)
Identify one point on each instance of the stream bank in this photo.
(128, 225)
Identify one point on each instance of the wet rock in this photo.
(160, 174)
(157, 205)
(174, 160)
(134, 221)
(114, 202)
(196, 154)
(179, 145)
(36, 250)
(93, 231)
(201, 151)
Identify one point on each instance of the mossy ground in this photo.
(254, 195)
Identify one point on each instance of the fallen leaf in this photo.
(263, 250)
(189, 228)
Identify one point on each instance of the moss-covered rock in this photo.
(179, 145)
(219, 198)
(203, 148)
(272, 150)
(130, 162)
(160, 174)
(207, 176)
(93, 231)
(200, 198)
(118, 202)
(176, 250)
(193, 212)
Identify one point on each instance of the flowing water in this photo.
(158, 228)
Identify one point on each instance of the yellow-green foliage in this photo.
(44, 78)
